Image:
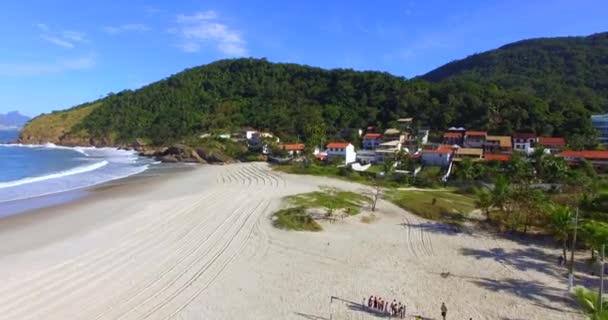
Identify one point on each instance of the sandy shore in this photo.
(200, 245)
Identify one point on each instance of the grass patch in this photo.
(331, 199)
(295, 219)
(441, 205)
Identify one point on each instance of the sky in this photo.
(61, 53)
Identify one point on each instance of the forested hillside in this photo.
(567, 68)
(551, 86)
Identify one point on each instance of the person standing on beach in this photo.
(444, 310)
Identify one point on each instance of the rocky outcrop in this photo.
(180, 153)
(213, 156)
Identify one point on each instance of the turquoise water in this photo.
(31, 171)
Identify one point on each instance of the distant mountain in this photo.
(12, 120)
(564, 68)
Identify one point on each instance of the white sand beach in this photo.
(200, 245)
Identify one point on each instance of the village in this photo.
(456, 144)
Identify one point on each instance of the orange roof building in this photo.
(293, 147)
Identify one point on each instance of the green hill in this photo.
(309, 104)
(567, 68)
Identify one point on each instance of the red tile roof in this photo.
(447, 147)
(497, 157)
(452, 135)
(292, 147)
(475, 133)
(372, 136)
(587, 154)
(524, 135)
(337, 145)
(552, 141)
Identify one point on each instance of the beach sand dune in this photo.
(200, 245)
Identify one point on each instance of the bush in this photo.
(295, 219)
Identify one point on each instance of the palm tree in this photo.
(483, 201)
(590, 304)
(501, 193)
(560, 224)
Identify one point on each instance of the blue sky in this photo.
(56, 54)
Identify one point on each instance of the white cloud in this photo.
(57, 41)
(73, 35)
(204, 28)
(125, 28)
(65, 39)
(58, 66)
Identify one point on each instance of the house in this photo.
(366, 156)
(474, 154)
(405, 123)
(598, 158)
(413, 143)
(371, 141)
(498, 144)
(453, 138)
(500, 157)
(293, 149)
(387, 150)
(553, 144)
(474, 139)
(440, 157)
(341, 150)
(523, 141)
(600, 123)
(393, 134)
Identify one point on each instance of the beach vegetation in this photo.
(297, 219)
(444, 205)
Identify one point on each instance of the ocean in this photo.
(31, 171)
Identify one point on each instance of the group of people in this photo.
(395, 309)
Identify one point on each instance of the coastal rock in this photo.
(169, 159)
(213, 157)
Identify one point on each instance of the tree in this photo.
(501, 194)
(483, 201)
(590, 304)
(560, 225)
(595, 234)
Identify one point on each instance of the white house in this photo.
(366, 156)
(524, 141)
(342, 150)
(437, 158)
(387, 150)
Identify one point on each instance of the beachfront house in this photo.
(387, 150)
(498, 144)
(524, 141)
(414, 142)
(405, 123)
(474, 139)
(440, 157)
(293, 149)
(453, 138)
(392, 134)
(598, 158)
(553, 144)
(366, 156)
(371, 141)
(475, 154)
(341, 150)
